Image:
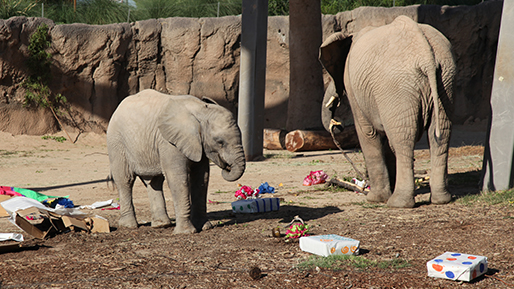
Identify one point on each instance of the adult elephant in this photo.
(155, 136)
(398, 79)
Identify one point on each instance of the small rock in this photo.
(255, 273)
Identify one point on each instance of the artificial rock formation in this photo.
(96, 66)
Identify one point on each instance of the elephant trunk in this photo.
(234, 170)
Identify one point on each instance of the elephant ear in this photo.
(209, 100)
(333, 54)
(181, 128)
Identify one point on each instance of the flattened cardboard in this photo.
(47, 223)
(32, 229)
(100, 225)
(3, 212)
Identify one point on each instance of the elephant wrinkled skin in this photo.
(398, 79)
(155, 136)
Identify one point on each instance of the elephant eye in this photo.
(220, 142)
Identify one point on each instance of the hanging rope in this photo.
(334, 123)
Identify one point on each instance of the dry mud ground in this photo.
(220, 258)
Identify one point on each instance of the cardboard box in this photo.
(256, 205)
(40, 222)
(3, 212)
(326, 245)
(457, 266)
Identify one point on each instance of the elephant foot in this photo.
(128, 222)
(202, 224)
(440, 197)
(207, 226)
(184, 227)
(161, 223)
(401, 200)
(378, 196)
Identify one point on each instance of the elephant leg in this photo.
(439, 162)
(402, 141)
(160, 218)
(180, 192)
(391, 164)
(372, 145)
(199, 186)
(124, 183)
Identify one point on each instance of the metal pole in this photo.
(218, 9)
(252, 76)
(498, 166)
(42, 10)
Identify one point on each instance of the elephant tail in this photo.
(432, 80)
(111, 185)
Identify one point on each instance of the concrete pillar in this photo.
(498, 170)
(252, 76)
(305, 72)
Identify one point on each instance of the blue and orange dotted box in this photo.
(326, 245)
(260, 205)
(457, 266)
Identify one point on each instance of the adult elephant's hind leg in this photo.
(199, 186)
(439, 161)
(402, 139)
(160, 218)
(372, 148)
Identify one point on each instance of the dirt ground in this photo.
(221, 257)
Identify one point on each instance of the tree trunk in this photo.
(305, 71)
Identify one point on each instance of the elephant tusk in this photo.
(333, 123)
(331, 101)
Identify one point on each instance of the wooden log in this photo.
(274, 139)
(313, 140)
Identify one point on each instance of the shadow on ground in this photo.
(286, 214)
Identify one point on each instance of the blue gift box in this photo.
(259, 205)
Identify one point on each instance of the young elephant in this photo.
(399, 82)
(155, 136)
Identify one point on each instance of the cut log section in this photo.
(274, 139)
(313, 140)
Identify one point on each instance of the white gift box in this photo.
(456, 266)
(326, 245)
(256, 205)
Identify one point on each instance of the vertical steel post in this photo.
(252, 76)
(497, 169)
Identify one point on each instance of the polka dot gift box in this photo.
(326, 245)
(456, 266)
(259, 205)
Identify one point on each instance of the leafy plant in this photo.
(278, 7)
(55, 138)
(101, 12)
(39, 63)
(186, 8)
(10, 8)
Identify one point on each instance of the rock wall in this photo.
(95, 67)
